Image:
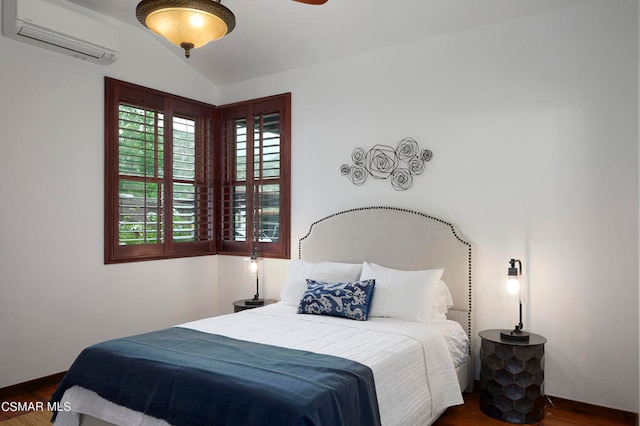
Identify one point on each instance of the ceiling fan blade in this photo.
(318, 2)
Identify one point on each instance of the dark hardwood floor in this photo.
(42, 394)
(564, 413)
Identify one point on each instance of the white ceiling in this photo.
(277, 35)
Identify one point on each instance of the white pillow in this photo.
(406, 295)
(329, 272)
(445, 302)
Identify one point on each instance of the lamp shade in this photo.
(186, 23)
(515, 289)
(253, 267)
(513, 285)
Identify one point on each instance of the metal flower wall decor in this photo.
(399, 164)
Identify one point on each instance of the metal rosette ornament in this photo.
(399, 164)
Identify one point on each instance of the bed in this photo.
(293, 363)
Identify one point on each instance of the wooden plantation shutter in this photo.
(183, 178)
(255, 177)
(159, 186)
(140, 169)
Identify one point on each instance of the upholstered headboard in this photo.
(400, 239)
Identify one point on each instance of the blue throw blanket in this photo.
(188, 377)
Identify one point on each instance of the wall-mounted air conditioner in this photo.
(53, 27)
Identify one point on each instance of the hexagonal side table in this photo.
(511, 377)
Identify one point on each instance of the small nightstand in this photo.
(241, 305)
(511, 377)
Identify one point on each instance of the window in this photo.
(164, 186)
(158, 175)
(255, 178)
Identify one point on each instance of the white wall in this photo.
(534, 128)
(56, 295)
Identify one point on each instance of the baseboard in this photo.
(31, 385)
(591, 410)
(596, 411)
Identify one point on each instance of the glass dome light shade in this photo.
(186, 26)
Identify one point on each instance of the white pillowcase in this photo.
(328, 272)
(406, 295)
(445, 302)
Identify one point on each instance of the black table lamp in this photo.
(515, 287)
(254, 269)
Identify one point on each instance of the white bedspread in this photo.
(411, 363)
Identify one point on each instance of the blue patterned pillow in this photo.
(346, 300)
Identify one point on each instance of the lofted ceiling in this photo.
(278, 35)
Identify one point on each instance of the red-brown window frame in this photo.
(212, 117)
(118, 91)
(280, 104)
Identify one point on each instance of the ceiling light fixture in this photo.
(186, 23)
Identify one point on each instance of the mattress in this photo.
(412, 363)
